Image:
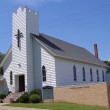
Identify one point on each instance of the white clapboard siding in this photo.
(64, 72)
(19, 55)
(37, 64)
(31, 27)
(49, 62)
(2, 89)
(7, 68)
(26, 21)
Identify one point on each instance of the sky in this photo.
(80, 22)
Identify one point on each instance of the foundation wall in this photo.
(89, 94)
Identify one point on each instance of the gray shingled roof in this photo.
(67, 50)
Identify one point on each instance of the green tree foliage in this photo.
(1, 71)
(108, 63)
(2, 95)
(1, 56)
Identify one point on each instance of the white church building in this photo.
(39, 61)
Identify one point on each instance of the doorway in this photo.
(21, 83)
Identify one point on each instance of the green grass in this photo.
(58, 106)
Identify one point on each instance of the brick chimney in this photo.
(96, 50)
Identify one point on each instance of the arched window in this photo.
(84, 76)
(11, 78)
(44, 73)
(97, 75)
(91, 76)
(103, 76)
(74, 73)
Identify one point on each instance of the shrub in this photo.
(24, 98)
(2, 96)
(38, 92)
(34, 98)
(11, 100)
(1, 71)
(9, 92)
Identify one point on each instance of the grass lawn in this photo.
(58, 106)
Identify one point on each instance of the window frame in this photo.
(84, 74)
(103, 76)
(11, 78)
(74, 73)
(97, 75)
(44, 78)
(91, 75)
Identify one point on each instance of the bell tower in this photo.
(25, 21)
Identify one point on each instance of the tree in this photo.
(1, 71)
(108, 63)
(1, 56)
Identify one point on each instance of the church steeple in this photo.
(25, 21)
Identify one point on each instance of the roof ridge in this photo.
(70, 51)
(63, 41)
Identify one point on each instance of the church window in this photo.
(97, 75)
(74, 73)
(84, 76)
(11, 78)
(44, 73)
(91, 75)
(103, 76)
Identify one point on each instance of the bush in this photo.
(34, 98)
(1, 71)
(38, 92)
(11, 100)
(9, 92)
(2, 96)
(24, 98)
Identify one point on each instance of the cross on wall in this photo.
(18, 37)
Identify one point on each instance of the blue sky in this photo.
(80, 22)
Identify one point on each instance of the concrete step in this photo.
(13, 97)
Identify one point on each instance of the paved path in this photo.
(16, 108)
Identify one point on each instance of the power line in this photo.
(67, 19)
(77, 19)
(63, 23)
(72, 14)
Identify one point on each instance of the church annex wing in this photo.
(6, 56)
